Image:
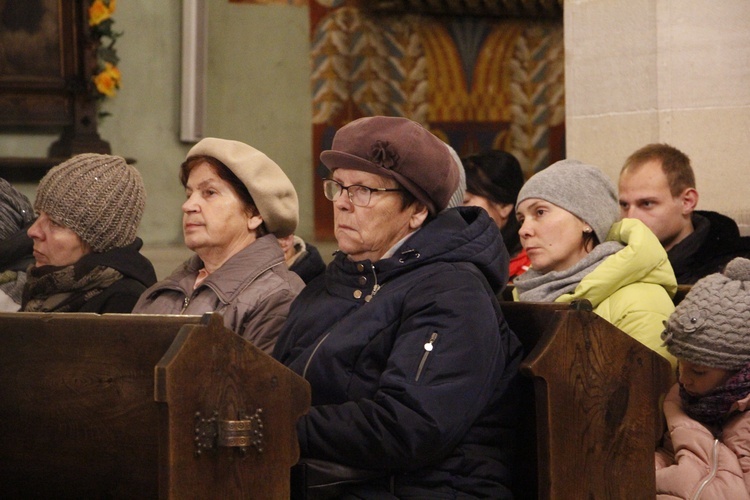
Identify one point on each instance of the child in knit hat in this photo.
(706, 450)
(86, 252)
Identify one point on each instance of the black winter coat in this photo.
(715, 241)
(412, 366)
(137, 275)
(17, 251)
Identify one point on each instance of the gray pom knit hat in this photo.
(15, 210)
(99, 197)
(711, 326)
(581, 189)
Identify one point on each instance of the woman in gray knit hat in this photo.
(704, 452)
(578, 250)
(239, 202)
(86, 251)
(16, 213)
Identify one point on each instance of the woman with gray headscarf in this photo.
(15, 246)
(578, 250)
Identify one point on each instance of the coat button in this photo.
(357, 294)
(362, 281)
(360, 267)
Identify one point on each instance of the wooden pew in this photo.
(131, 406)
(594, 405)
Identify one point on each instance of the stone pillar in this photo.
(674, 71)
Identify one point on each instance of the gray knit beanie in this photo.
(15, 210)
(99, 197)
(711, 326)
(457, 199)
(581, 189)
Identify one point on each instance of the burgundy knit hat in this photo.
(398, 148)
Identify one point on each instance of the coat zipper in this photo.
(428, 346)
(188, 298)
(185, 304)
(712, 474)
(375, 286)
(304, 371)
(375, 289)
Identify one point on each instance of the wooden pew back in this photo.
(79, 416)
(596, 394)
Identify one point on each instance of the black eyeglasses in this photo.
(359, 195)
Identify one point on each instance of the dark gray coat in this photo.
(253, 290)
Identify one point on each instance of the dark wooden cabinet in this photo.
(48, 57)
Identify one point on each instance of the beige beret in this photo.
(271, 189)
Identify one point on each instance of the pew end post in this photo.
(596, 400)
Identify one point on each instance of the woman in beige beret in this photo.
(238, 202)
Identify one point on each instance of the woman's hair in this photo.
(590, 238)
(497, 176)
(228, 176)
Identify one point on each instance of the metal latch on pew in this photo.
(212, 433)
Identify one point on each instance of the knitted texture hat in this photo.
(458, 195)
(268, 185)
(581, 189)
(15, 210)
(711, 326)
(400, 149)
(99, 197)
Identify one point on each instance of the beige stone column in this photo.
(674, 71)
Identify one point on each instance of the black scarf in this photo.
(713, 408)
(66, 288)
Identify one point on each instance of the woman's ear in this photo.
(418, 216)
(254, 222)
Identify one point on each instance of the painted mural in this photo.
(298, 3)
(476, 82)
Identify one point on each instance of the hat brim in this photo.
(333, 160)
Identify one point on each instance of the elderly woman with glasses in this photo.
(238, 202)
(411, 363)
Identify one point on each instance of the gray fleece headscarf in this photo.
(581, 189)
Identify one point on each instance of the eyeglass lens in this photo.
(358, 195)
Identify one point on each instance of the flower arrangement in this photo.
(107, 79)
